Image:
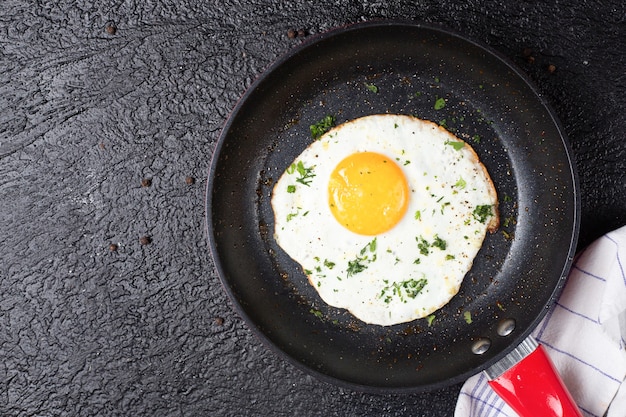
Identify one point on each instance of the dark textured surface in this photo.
(87, 113)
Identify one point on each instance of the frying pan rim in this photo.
(284, 57)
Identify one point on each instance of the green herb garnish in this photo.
(316, 313)
(440, 103)
(321, 127)
(359, 264)
(439, 243)
(456, 144)
(422, 245)
(291, 189)
(355, 266)
(413, 287)
(371, 87)
(409, 288)
(468, 317)
(430, 319)
(481, 212)
(371, 246)
(305, 174)
(460, 183)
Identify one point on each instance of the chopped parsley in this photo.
(359, 264)
(508, 221)
(409, 288)
(291, 189)
(418, 215)
(316, 313)
(328, 264)
(476, 138)
(440, 103)
(449, 257)
(371, 87)
(290, 216)
(460, 183)
(468, 317)
(355, 266)
(456, 144)
(304, 174)
(321, 127)
(422, 245)
(413, 287)
(439, 243)
(371, 246)
(481, 212)
(430, 319)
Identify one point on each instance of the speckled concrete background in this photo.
(109, 114)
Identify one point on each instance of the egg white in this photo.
(446, 182)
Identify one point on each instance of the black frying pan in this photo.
(519, 271)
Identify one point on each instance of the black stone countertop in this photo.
(109, 114)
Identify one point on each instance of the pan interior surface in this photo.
(518, 272)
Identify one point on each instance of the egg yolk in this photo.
(368, 193)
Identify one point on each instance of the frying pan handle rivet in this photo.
(481, 346)
(506, 327)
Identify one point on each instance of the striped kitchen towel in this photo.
(584, 333)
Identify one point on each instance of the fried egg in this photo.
(385, 214)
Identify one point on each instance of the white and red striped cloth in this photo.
(584, 333)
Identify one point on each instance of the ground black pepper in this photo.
(293, 33)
